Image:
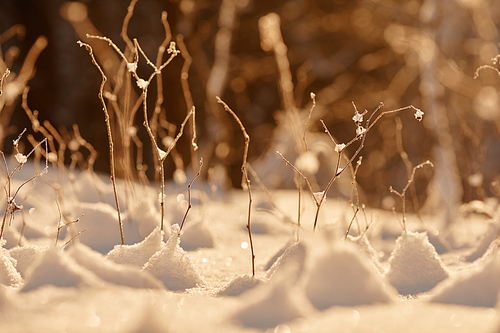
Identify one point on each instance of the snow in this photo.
(478, 287)
(200, 279)
(56, 268)
(173, 266)
(343, 276)
(240, 285)
(139, 253)
(9, 276)
(414, 264)
(111, 272)
(273, 306)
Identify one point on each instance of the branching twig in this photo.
(408, 165)
(402, 194)
(11, 206)
(73, 238)
(110, 136)
(361, 132)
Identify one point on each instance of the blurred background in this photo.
(419, 52)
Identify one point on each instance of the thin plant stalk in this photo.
(408, 165)
(189, 194)
(361, 132)
(110, 136)
(402, 194)
(246, 180)
(11, 206)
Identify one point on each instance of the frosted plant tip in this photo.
(419, 114)
(172, 49)
(142, 84)
(20, 158)
(339, 147)
(162, 154)
(360, 130)
(313, 95)
(320, 197)
(132, 67)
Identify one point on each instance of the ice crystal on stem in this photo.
(419, 114)
(339, 147)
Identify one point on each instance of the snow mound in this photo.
(291, 262)
(91, 188)
(56, 268)
(482, 245)
(343, 276)
(414, 264)
(151, 321)
(265, 221)
(173, 266)
(110, 271)
(278, 254)
(478, 287)
(101, 221)
(144, 214)
(137, 254)
(439, 242)
(364, 245)
(9, 276)
(240, 285)
(25, 256)
(5, 303)
(274, 308)
(11, 238)
(197, 235)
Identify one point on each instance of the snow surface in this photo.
(199, 280)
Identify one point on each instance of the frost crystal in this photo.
(360, 130)
(132, 67)
(21, 159)
(358, 117)
(172, 49)
(339, 147)
(318, 196)
(419, 114)
(142, 84)
(161, 154)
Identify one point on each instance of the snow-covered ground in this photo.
(200, 281)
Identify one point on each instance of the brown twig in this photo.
(408, 165)
(245, 179)
(361, 132)
(189, 195)
(11, 206)
(402, 195)
(110, 136)
(4, 76)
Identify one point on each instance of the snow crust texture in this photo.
(414, 265)
(56, 268)
(275, 307)
(343, 277)
(173, 266)
(137, 254)
(477, 287)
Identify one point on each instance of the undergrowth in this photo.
(125, 93)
